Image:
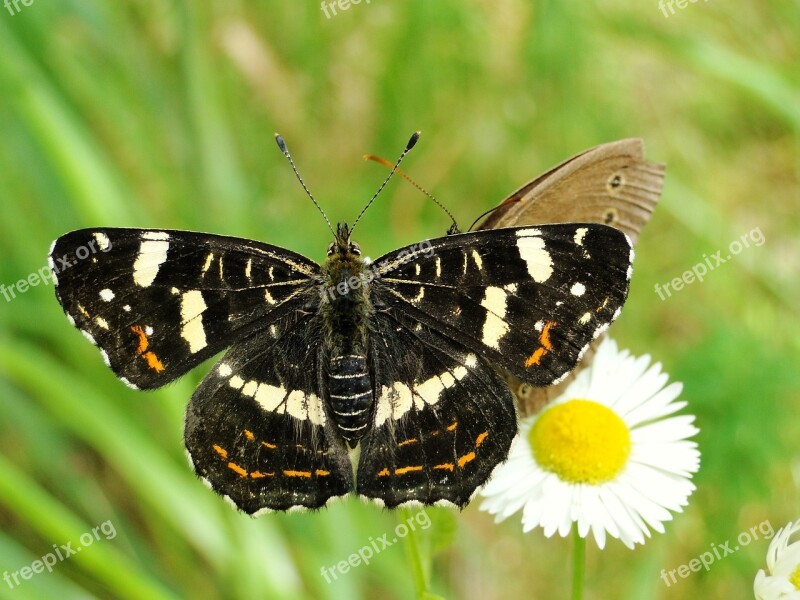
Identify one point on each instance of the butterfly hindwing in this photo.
(258, 428)
(159, 302)
(611, 184)
(528, 299)
(443, 418)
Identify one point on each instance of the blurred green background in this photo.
(161, 114)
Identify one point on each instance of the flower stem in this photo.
(578, 563)
(414, 556)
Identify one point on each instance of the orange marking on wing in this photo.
(481, 437)
(152, 360)
(237, 469)
(546, 345)
(220, 450)
(249, 435)
(321, 473)
(297, 473)
(404, 470)
(259, 474)
(411, 441)
(143, 343)
(445, 467)
(452, 426)
(268, 445)
(383, 473)
(466, 458)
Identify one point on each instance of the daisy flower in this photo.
(783, 566)
(605, 455)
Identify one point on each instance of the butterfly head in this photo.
(341, 245)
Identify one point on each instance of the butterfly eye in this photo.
(330, 248)
(355, 248)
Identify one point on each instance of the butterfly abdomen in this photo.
(350, 395)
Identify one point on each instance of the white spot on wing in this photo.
(532, 251)
(533, 232)
(207, 264)
(585, 318)
(296, 406)
(89, 337)
(578, 289)
(494, 327)
(224, 370)
(477, 258)
(102, 241)
(107, 295)
(128, 383)
(270, 397)
(127, 308)
(101, 323)
(152, 254)
(52, 265)
(579, 234)
(155, 235)
(316, 412)
(192, 306)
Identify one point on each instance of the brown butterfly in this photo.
(610, 184)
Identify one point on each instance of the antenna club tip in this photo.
(280, 142)
(413, 140)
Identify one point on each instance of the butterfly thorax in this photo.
(345, 311)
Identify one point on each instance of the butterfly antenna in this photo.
(411, 142)
(383, 161)
(282, 145)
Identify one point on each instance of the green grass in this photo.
(161, 114)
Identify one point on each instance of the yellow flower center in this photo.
(794, 578)
(581, 441)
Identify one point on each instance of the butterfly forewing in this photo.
(611, 184)
(159, 302)
(528, 299)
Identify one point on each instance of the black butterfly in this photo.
(391, 356)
